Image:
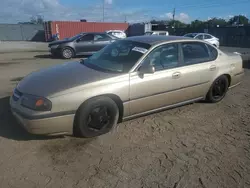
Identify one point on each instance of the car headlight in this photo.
(54, 46)
(36, 103)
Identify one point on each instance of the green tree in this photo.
(238, 20)
(197, 23)
(158, 22)
(216, 21)
(177, 24)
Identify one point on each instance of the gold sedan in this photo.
(128, 78)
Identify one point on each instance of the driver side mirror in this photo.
(146, 69)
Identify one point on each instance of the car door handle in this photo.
(212, 68)
(176, 75)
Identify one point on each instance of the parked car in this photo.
(126, 79)
(206, 37)
(117, 33)
(81, 44)
(164, 33)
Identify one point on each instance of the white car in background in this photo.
(117, 33)
(165, 33)
(206, 37)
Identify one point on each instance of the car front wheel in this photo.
(67, 53)
(218, 89)
(95, 117)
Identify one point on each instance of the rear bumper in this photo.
(236, 79)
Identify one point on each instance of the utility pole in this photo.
(174, 20)
(125, 18)
(103, 8)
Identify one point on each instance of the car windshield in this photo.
(118, 57)
(192, 35)
(75, 37)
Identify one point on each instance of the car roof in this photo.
(154, 40)
(159, 31)
(114, 31)
(199, 33)
(92, 33)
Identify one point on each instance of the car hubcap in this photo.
(99, 118)
(67, 53)
(219, 89)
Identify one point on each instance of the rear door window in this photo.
(199, 37)
(194, 53)
(162, 33)
(101, 37)
(207, 37)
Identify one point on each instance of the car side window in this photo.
(213, 52)
(101, 37)
(164, 57)
(194, 53)
(162, 33)
(199, 37)
(207, 37)
(87, 38)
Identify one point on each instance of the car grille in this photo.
(16, 95)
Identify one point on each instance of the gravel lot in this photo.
(199, 145)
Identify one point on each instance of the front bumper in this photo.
(44, 126)
(54, 51)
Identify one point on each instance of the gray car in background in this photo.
(81, 44)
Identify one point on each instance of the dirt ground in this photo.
(194, 146)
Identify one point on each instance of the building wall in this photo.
(21, 32)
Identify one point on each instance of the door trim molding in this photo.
(155, 94)
(163, 108)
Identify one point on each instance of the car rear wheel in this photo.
(67, 53)
(95, 117)
(218, 89)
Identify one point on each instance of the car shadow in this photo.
(45, 56)
(10, 128)
(49, 56)
(246, 63)
(17, 79)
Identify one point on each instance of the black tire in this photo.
(83, 119)
(214, 94)
(67, 53)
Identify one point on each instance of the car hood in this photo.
(50, 81)
(58, 42)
